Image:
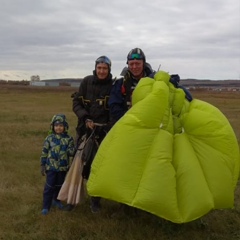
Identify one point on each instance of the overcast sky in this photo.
(63, 38)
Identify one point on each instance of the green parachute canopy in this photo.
(170, 157)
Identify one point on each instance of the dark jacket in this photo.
(91, 101)
(121, 92)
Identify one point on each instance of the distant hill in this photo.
(210, 83)
(184, 82)
(63, 80)
(188, 83)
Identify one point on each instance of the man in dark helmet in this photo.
(121, 93)
(90, 104)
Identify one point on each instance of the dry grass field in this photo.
(25, 114)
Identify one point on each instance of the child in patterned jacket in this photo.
(57, 149)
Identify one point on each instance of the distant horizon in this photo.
(80, 78)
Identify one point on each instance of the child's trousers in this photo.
(54, 181)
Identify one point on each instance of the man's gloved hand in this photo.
(89, 123)
(43, 170)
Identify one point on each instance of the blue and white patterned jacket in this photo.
(57, 148)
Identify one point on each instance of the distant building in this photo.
(43, 84)
(52, 84)
(75, 84)
(37, 83)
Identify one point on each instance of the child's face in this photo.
(59, 128)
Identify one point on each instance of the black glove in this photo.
(43, 170)
(175, 79)
(75, 95)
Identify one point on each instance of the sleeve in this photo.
(188, 95)
(175, 79)
(78, 101)
(116, 101)
(71, 148)
(45, 150)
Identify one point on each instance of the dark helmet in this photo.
(104, 59)
(137, 54)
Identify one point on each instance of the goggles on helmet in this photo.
(135, 56)
(104, 59)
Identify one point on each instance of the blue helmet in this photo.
(104, 59)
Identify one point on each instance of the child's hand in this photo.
(43, 170)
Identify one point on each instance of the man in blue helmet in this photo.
(120, 97)
(90, 104)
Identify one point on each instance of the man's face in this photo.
(136, 68)
(102, 71)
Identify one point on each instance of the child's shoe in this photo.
(57, 203)
(45, 211)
